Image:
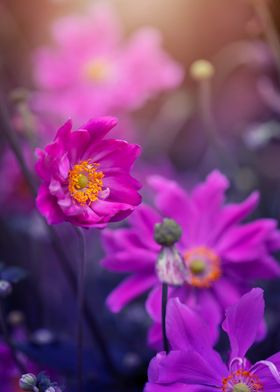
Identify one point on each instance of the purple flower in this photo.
(193, 366)
(103, 74)
(86, 179)
(223, 257)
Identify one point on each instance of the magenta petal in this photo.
(177, 387)
(144, 219)
(233, 214)
(47, 205)
(243, 320)
(153, 303)
(99, 127)
(186, 367)
(129, 289)
(155, 337)
(134, 260)
(171, 199)
(191, 330)
(265, 376)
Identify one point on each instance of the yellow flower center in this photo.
(96, 70)
(240, 387)
(204, 266)
(241, 381)
(85, 182)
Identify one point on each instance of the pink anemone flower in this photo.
(85, 178)
(90, 70)
(222, 255)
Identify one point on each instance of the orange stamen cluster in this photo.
(85, 182)
(244, 377)
(204, 266)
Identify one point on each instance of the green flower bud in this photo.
(167, 233)
(28, 382)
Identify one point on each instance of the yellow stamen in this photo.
(85, 182)
(204, 266)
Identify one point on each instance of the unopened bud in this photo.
(5, 288)
(167, 233)
(202, 70)
(28, 382)
(170, 267)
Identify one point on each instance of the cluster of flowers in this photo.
(86, 181)
(214, 259)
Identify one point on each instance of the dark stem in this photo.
(9, 342)
(81, 300)
(63, 260)
(163, 316)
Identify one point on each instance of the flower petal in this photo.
(243, 320)
(129, 289)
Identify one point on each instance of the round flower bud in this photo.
(202, 70)
(5, 288)
(167, 233)
(170, 267)
(27, 382)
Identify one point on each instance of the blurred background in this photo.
(223, 113)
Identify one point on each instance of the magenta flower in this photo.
(86, 179)
(193, 366)
(222, 256)
(103, 74)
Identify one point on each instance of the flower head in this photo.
(103, 75)
(86, 179)
(222, 256)
(192, 364)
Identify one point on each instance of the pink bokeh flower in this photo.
(91, 70)
(85, 178)
(222, 256)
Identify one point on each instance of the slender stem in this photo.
(270, 31)
(209, 123)
(63, 260)
(9, 342)
(163, 316)
(81, 300)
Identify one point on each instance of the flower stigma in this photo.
(85, 182)
(203, 265)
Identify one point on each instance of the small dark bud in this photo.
(28, 382)
(5, 288)
(167, 233)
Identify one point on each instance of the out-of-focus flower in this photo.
(193, 365)
(91, 71)
(221, 255)
(85, 179)
(15, 196)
